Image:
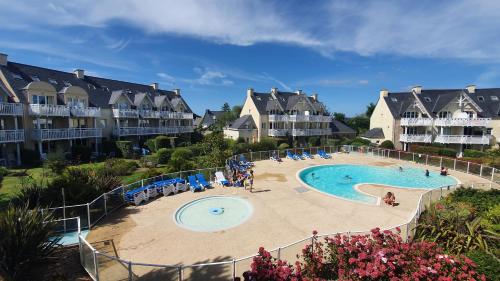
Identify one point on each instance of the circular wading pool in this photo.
(213, 213)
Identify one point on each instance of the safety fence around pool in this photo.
(102, 265)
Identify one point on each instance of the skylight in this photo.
(16, 76)
(480, 98)
(52, 81)
(35, 78)
(67, 84)
(494, 98)
(427, 99)
(394, 99)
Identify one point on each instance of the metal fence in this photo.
(102, 266)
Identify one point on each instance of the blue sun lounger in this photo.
(202, 181)
(306, 154)
(193, 183)
(324, 155)
(289, 155)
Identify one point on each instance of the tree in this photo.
(369, 109)
(214, 150)
(339, 116)
(360, 123)
(226, 107)
(236, 111)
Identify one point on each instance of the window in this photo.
(394, 99)
(410, 114)
(470, 114)
(444, 114)
(102, 123)
(16, 76)
(494, 98)
(67, 84)
(42, 99)
(52, 81)
(105, 88)
(480, 98)
(427, 99)
(44, 123)
(35, 78)
(76, 102)
(123, 105)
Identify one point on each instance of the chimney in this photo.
(274, 90)
(315, 97)
(298, 92)
(471, 89)
(155, 86)
(384, 93)
(80, 73)
(3, 59)
(417, 89)
(250, 92)
(177, 92)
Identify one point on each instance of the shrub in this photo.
(30, 194)
(125, 148)
(149, 161)
(151, 173)
(180, 159)
(264, 145)
(163, 155)
(387, 144)
(474, 153)
(56, 162)
(24, 240)
(358, 142)
(283, 146)
(313, 141)
(482, 200)
(81, 153)
(151, 145)
(120, 167)
(449, 152)
(486, 264)
(3, 172)
(162, 142)
(30, 157)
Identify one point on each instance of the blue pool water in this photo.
(213, 213)
(71, 238)
(339, 180)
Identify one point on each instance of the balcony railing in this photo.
(277, 132)
(11, 136)
(462, 122)
(299, 118)
(415, 138)
(463, 139)
(299, 132)
(125, 113)
(175, 115)
(149, 114)
(49, 110)
(66, 133)
(416, 121)
(86, 111)
(138, 131)
(14, 109)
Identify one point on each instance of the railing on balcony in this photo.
(11, 136)
(185, 129)
(125, 113)
(175, 115)
(138, 131)
(277, 132)
(416, 121)
(49, 110)
(66, 133)
(463, 139)
(149, 114)
(15, 109)
(299, 118)
(462, 122)
(311, 132)
(415, 138)
(86, 111)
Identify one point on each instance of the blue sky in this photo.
(345, 51)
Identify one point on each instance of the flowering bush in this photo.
(380, 256)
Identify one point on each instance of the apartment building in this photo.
(46, 110)
(287, 114)
(456, 118)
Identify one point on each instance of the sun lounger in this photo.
(151, 191)
(297, 157)
(306, 154)
(244, 161)
(193, 184)
(202, 181)
(169, 189)
(324, 155)
(220, 179)
(289, 155)
(181, 187)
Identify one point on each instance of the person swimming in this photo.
(427, 173)
(347, 178)
(400, 168)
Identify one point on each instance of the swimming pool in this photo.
(340, 180)
(213, 213)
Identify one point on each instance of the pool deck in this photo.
(284, 211)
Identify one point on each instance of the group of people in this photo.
(444, 171)
(242, 179)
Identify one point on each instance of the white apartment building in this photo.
(45, 110)
(285, 114)
(457, 118)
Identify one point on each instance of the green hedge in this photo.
(473, 153)
(163, 155)
(387, 144)
(486, 264)
(432, 150)
(125, 148)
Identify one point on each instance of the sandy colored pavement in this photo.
(281, 216)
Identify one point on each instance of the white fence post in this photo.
(96, 265)
(492, 173)
(105, 204)
(454, 164)
(468, 164)
(426, 159)
(88, 215)
(234, 269)
(481, 171)
(399, 155)
(279, 253)
(441, 162)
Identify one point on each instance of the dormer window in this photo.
(105, 88)
(17, 76)
(35, 78)
(91, 87)
(427, 99)
(67, 84)
(410, 114)
(394, 99)
(444, 114)
(52, 81)
(494, 98)
(480, 98)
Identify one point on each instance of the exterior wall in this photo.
(249, 135)
(250, 108)
(382, 118)
(495, 132)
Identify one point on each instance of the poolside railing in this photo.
(102, 266)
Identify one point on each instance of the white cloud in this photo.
(446, 29)
(209, 77)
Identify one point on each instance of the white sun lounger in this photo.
(220, 179)
(169, 189)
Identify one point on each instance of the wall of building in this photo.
(382, 118)
(250, 108)
(249, 135)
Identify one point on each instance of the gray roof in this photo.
(435, 100)
(375, 133)
(244, 122)
(208, 117)
(283, 101)
(100, 90)
(341, 128)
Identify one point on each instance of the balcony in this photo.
(49, 110)
(125, 113)
(299, 118)
(413, 122)
(13, 109)
(149, 114)
(143, 131)
(462, 122)
(311, 132)
(185, 129)
(463, 139)
(415, 138)
(11, 136)
(175, 115)
(66, 134)
(277, 132)
(86, 111)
